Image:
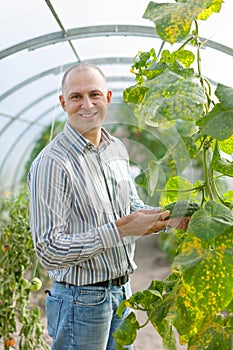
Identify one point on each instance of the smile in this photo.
(89, 115)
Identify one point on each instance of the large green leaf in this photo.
(170, 25)
(218, 123)
(171, 97)
(221, 164)
(210, 222)
(207, 282)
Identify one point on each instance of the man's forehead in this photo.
(94, 82)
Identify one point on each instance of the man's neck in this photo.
(94, 136)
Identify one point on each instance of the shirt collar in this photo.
(81, 142)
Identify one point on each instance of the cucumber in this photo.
(181, 208)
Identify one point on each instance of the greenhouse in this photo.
(169, 67)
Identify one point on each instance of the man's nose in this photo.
(86, 102)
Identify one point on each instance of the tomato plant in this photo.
(170, 93)
(18, 318)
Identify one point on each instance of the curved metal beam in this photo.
(30, 124)
(59, 69)
(96, 31)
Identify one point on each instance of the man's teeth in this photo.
(88, 115)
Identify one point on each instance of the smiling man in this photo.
(85, 215)
(85, 104)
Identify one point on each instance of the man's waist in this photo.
(119, 281)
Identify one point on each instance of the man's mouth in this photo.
(88, 115)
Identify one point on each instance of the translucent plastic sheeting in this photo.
(35, 49)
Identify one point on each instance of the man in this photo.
(85, 215)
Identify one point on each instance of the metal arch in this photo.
(58, 70)
(31, 104)
(79, 33)
(96, 31)
(20, 161)
(21, 134)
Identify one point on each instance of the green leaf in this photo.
(187, 259)
(226, 145)
(171, 97)
(207, 285)
(160, 319)
(175, 61)
(212, 336)
(228, 197)
(191, 146)
(170, 25)
(182, 319)
(142, 180)
(210, 222)
(173, 189)
(218, 123)
(221, 164)
(215, 6)
(127, 332)
(134, 94)
(186, 57)
(154, 170)
(225, 95)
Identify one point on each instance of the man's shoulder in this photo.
(53, 150)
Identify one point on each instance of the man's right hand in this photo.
(142, 222)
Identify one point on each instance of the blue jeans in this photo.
(84, 318)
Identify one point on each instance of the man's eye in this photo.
(75, 97)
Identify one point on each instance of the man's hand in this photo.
(142, 222)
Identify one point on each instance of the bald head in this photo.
(81, 67)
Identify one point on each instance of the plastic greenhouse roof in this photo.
(42, 38)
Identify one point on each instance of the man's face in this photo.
(85, 99)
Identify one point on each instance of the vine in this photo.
(197, 297)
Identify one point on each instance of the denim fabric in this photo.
(84, 318)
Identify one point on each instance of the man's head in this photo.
(85, 97)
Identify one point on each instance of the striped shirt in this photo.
(76, 194)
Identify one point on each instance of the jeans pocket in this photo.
(53, 308)
(88, 296)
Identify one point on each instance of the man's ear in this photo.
(109, 96)
(62, 102)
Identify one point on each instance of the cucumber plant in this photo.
(171, 91)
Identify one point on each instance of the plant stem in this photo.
(198, 188)
(161, 48)
(206, 173)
